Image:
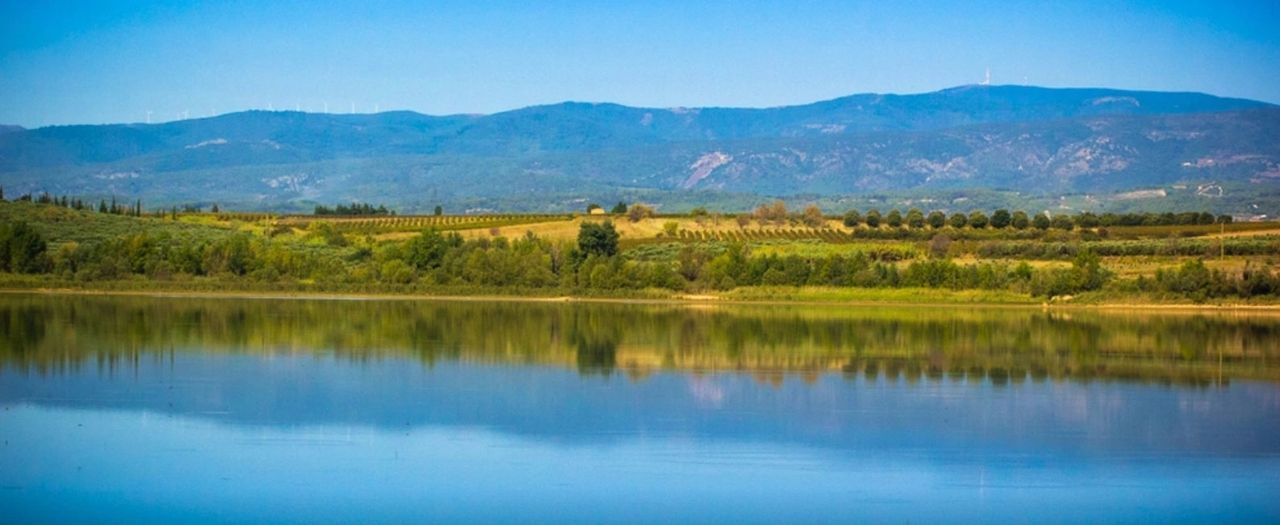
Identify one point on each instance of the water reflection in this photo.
(139, 410)
(1000, 346)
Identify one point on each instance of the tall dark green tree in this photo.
(1001, 218)
(936, 219)
(894, 219)
(619, 208)
(915, 218)
(427, 250)
(598, 238)
(22, 249)
(977, 220)
(873, 218)
(1019, 220)
(1041, 221)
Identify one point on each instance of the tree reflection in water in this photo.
(998, 346)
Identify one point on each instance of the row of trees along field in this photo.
(112, 207)
(813, 216)
(1020, 220)
(355, 208)
(774, 213)
(135, 209)
(593, 262)
(115, 208)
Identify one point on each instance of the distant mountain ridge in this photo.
(1019, 138)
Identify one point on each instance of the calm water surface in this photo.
(141, 410)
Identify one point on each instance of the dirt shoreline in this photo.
(686, 299)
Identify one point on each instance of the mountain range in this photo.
(1086, 148)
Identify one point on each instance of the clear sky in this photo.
(93, 62)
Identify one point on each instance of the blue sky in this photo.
(94, 62)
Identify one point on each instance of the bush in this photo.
(22, 249)
(813, 216)
(915, 218)
(852, 218)
(937, 219)
(1000, 219)
(1086, 274)
(894, 219)
(1019, 220)
(1062, 222)
(638, 212)
(977, 220)
(873, 218)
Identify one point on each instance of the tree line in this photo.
(777, 213)
(1021, 220)
(357, 208)
(593, 262)
(112, 207)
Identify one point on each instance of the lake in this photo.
(164, 410)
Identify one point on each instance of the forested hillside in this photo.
(1087, 149)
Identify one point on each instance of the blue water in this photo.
(176, 410)
(309, 437)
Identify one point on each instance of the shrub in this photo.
(915, 218)
(894, 219)
(852, 218)
(638, 212)
(1001, 218)
(977, 220)
(873, 218)
(813, 216)
(936, 219)
(1019, 220)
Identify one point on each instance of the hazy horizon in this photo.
(340, 111)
